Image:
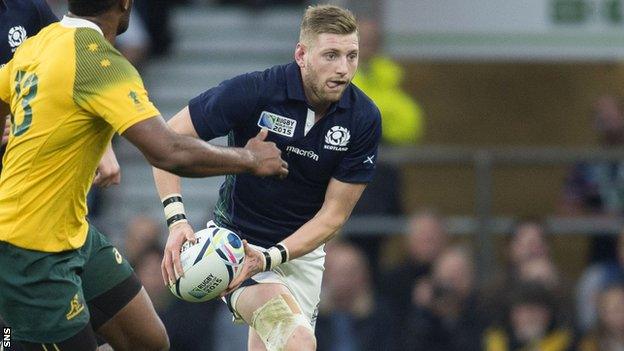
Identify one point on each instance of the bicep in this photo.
(181, 123)
(151, 136)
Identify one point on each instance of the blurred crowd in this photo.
(432, 299)
(424, 292)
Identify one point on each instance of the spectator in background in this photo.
(426, 239)
(530, 323)
(542, 271)
(350, 319)
(402, 125)
(597, 188)
(594, 280)
(608, 334)
(445, 314)
(380, 77)
(528, 242)
(528, 259)
(142, 234)
(156, 15)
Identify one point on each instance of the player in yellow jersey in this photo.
(69, 91)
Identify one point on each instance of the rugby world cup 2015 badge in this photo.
(277, 124)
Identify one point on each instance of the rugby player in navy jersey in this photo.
(328, 131)
(19, 20)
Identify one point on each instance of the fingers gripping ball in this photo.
(209, 265)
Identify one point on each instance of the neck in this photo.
(107, 24)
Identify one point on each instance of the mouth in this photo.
(336, 84)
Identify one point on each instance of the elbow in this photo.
(337, 222)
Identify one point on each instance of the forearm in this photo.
(183, 154)
(340, 199)
(166, 183)
(169, 190)
(190, 157)
(317, 231)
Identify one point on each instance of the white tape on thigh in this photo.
(275, 321)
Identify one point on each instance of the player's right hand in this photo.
(267, 157)
(7, 130)
(171, 266)
(253, 264)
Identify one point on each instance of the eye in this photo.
(330, 56)
(353, 56)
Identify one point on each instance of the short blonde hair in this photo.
(330, 19)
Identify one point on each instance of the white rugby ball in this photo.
(209, 265)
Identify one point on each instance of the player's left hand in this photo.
(108, 171)
(254, 263)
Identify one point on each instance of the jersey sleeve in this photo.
(5, 85)
(46, 16)
(358, 165)
(107, 85)
(218, 110)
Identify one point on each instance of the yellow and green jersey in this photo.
(69, 91)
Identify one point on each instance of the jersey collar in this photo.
(74, 22)
(294, 86)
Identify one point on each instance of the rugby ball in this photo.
(209, 265)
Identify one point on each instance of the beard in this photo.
(320, 89)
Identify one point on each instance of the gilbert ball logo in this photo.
(17, 35)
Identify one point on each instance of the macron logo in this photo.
(304, 153)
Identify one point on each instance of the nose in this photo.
(342, 66)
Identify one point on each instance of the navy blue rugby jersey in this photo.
(20, 19)
(341, 145)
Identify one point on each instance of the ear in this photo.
(300, 52)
